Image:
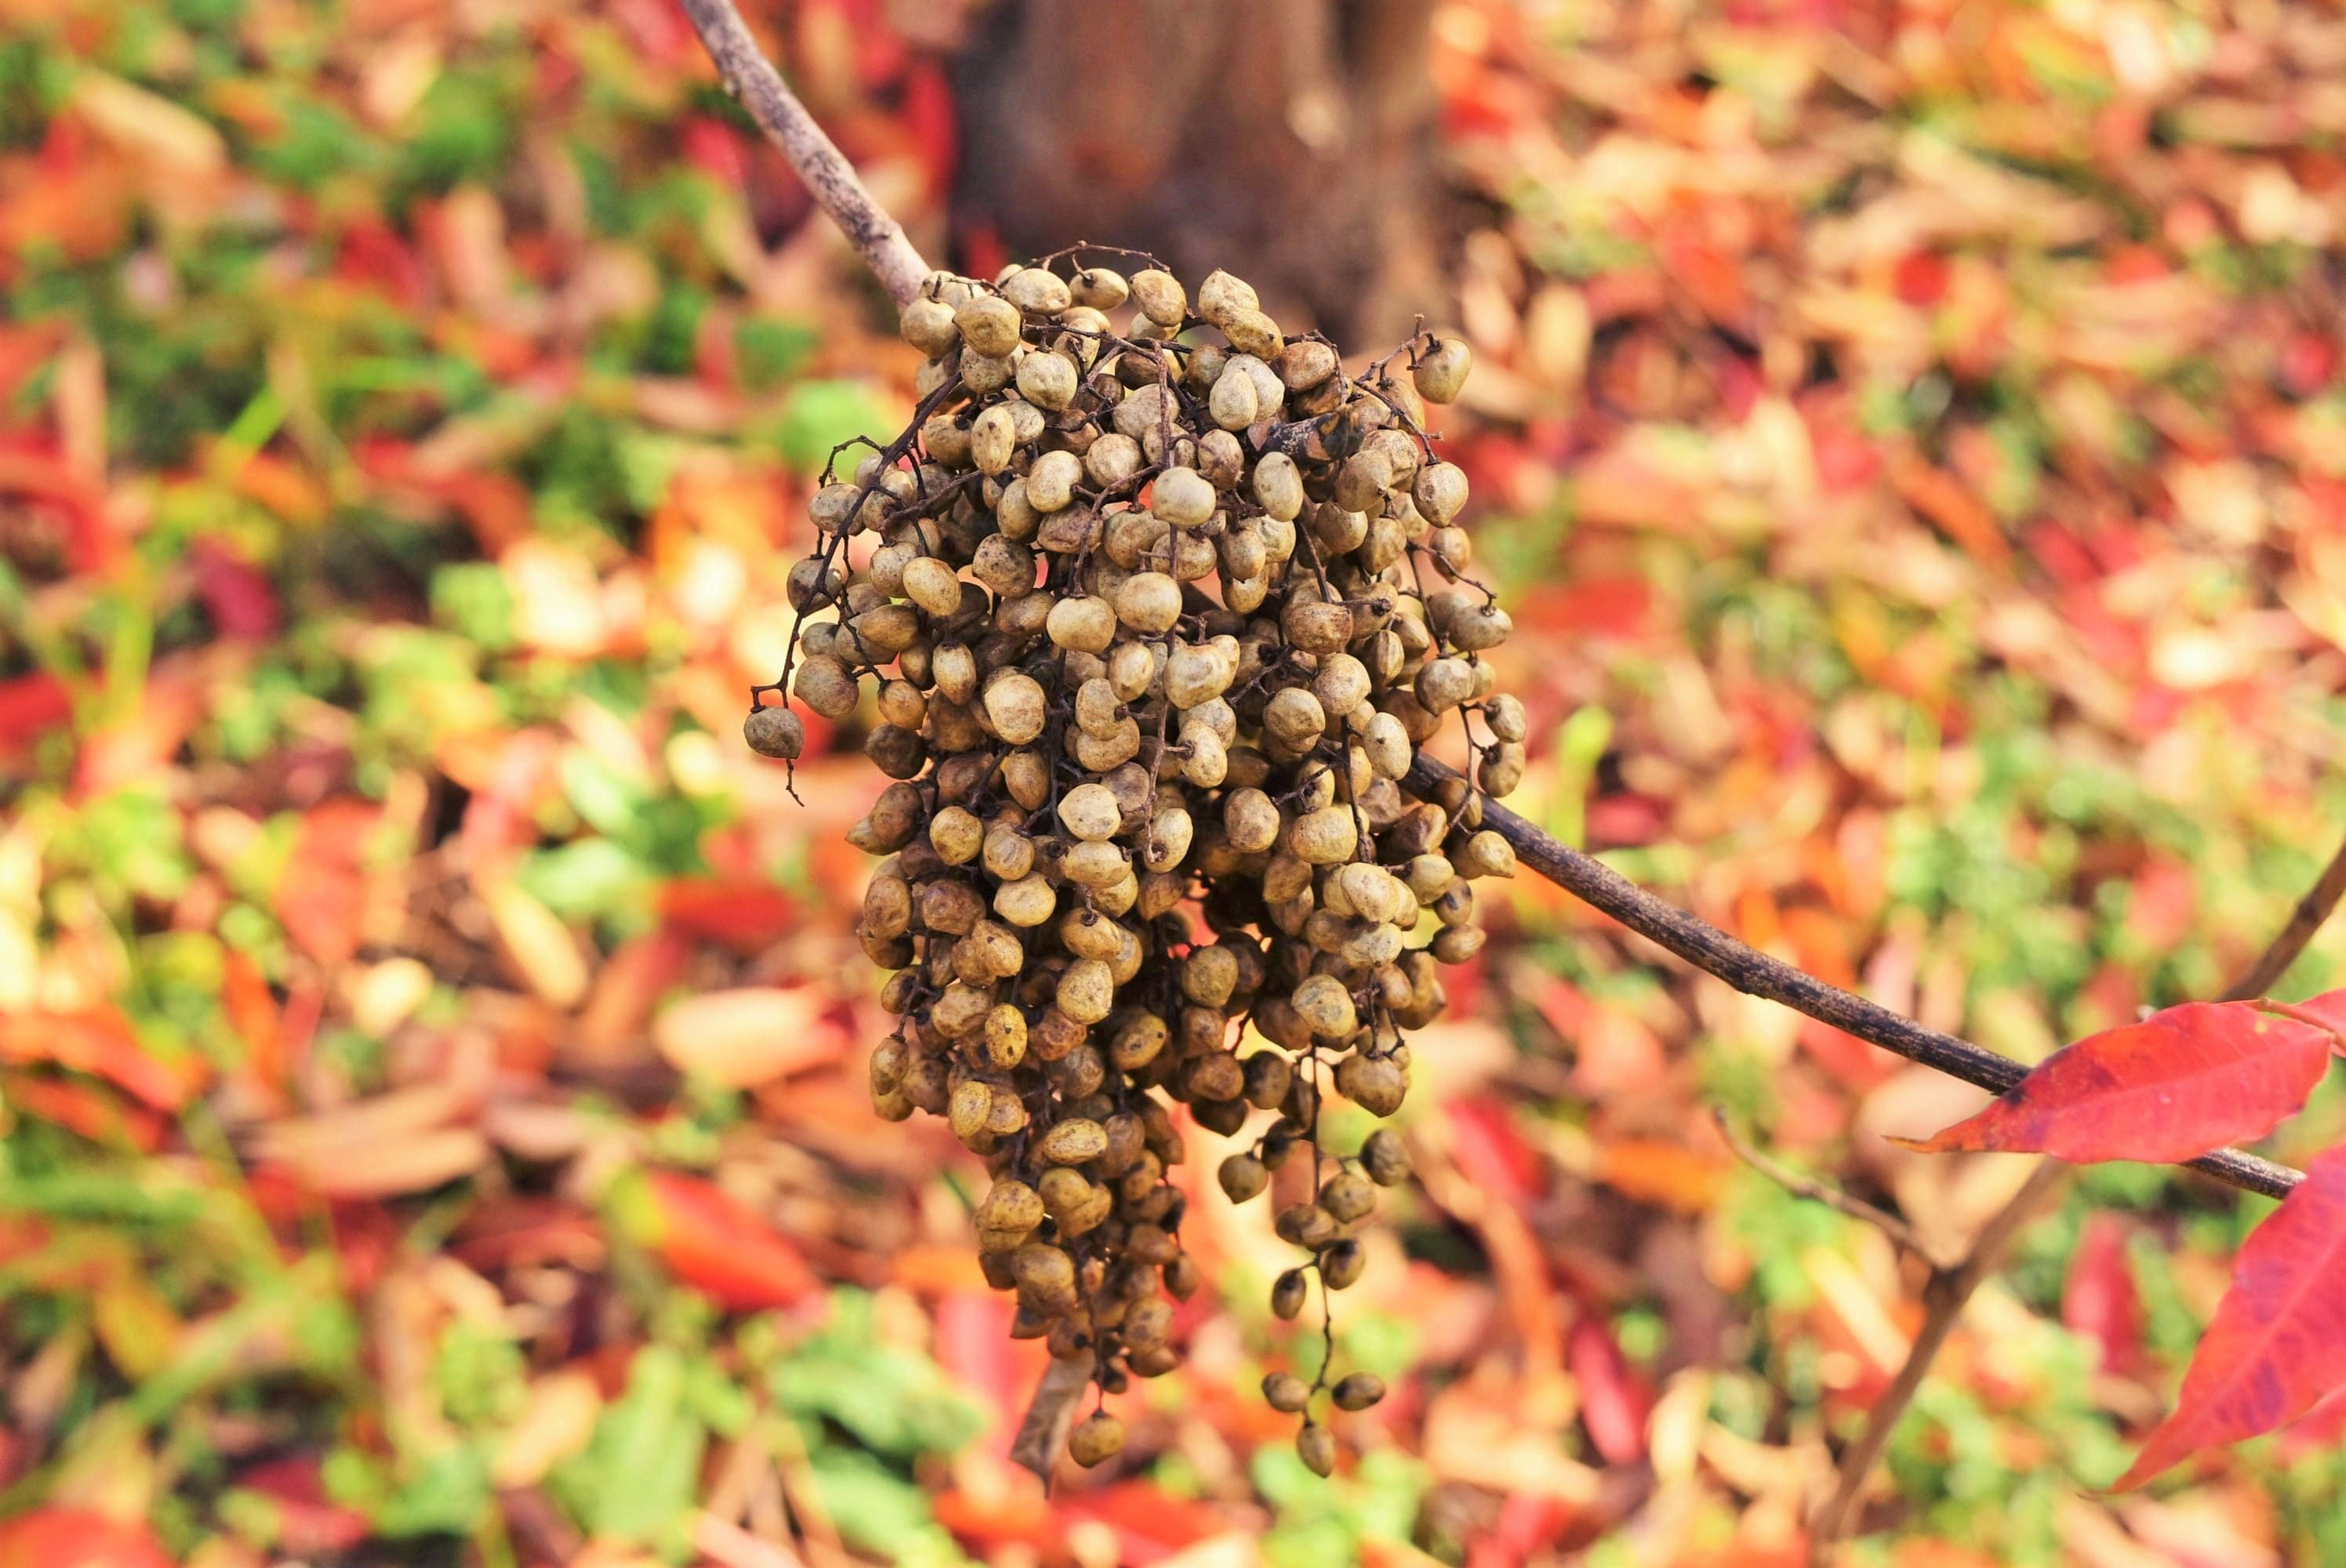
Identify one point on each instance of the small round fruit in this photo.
(1441, 373)
(1097, 1437)
(775, 732)
(1242, 1176)
(1285, 1392)
(1384, 1158)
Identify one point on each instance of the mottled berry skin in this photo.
(1156, 607)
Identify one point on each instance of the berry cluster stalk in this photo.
(880, 241)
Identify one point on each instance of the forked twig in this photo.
(1950, 1288)
(1942, 1304)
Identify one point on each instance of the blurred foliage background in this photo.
(432, 1045)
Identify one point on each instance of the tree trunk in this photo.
(1289, 141)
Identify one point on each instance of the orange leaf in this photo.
(2279, 1341)
(1943, 498)
(322, 897)
(76, 1538)
(750, 1035)
(99, 1042)
(744, 915)
(84, 1109)
(252, 1012)
(2178, 1084)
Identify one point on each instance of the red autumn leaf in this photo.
(744, 915)
(714, 148)
(322, 897)
(714, 1243)
(512, 1230)
(1922, 278)
(78, 1538)
(2178, 1084)
(2326, 1011)
(99, 1042)
(2319, 1430)
(84, 1109)
(307, 1522)
(972, 1342)
(1491, 1152)
(2099, 1299)
(2308, 360)
(1151, 1524)
(237, 595)
(91, 544)
(366, 1239)
(1614, 1401)
(1604, 607)
(2279, 1341)
(31, 705)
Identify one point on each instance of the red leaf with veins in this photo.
(2178, 1084)
(2279, 1341)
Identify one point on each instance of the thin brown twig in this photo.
(898, 265)
(830, 178)
(1949, 1289)
(1754, 973)
(1943, 1301)
(1815, 1191)
(2312, 909)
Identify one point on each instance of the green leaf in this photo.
(473, 599)
(611, 803)
(585, 879)
(879, 1511)
(898, 1402)
(819, 415)
(637, 1480)
(767, 350)
(448, 1494)
(461, 132)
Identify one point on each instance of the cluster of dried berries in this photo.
(1157, 615)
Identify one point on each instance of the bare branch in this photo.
(1714, 952)
(1944, 1299)
(900, 269)
(1900, 1233)
(2312, 911)
(830, 178)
